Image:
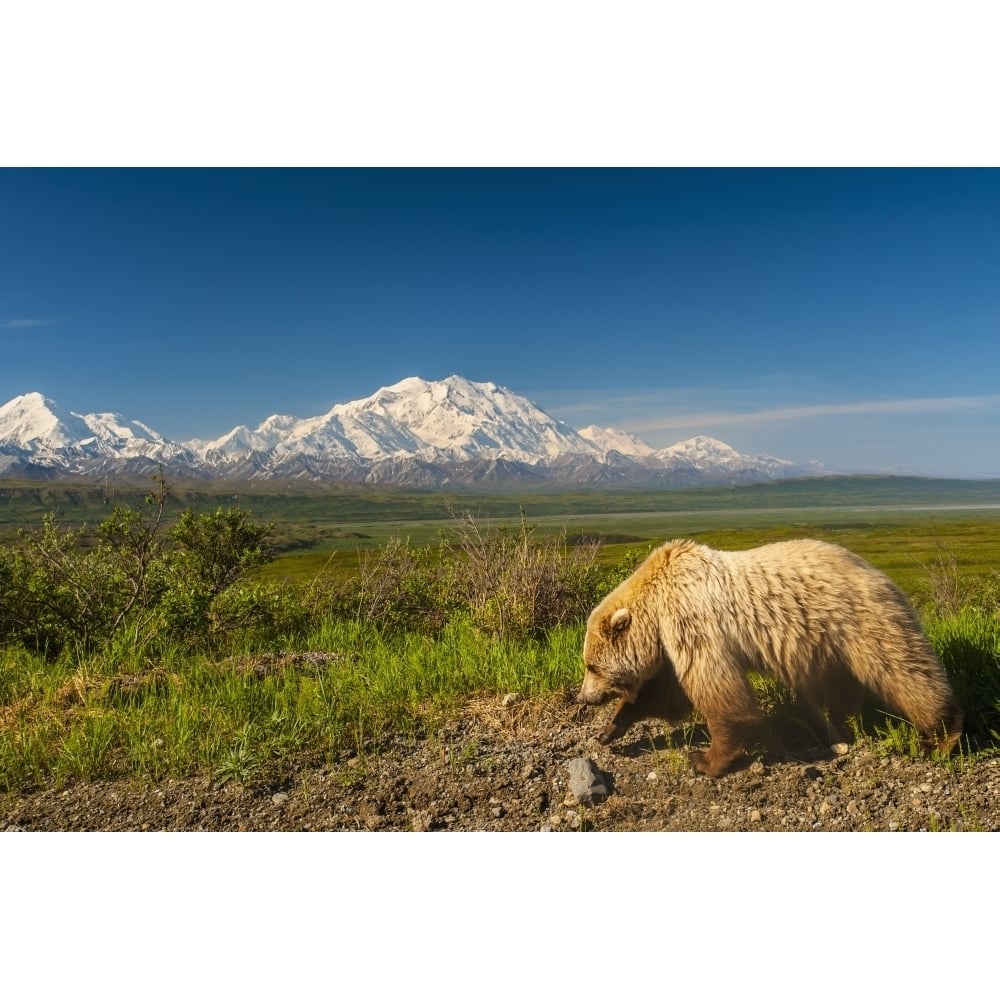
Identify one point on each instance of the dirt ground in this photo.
(504, 766)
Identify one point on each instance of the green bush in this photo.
(60, 589)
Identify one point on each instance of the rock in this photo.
(279, 798)
(840, 749)
(587, 784)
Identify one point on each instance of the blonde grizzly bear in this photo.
(684, 630)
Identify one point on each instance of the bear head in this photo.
(620, 652)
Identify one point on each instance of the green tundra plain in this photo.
(236, 631)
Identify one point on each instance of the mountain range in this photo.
(417, 433)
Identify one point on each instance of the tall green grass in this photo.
(193, 714)
(968, 644)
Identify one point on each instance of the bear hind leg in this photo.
(944, 736)
(829, 707)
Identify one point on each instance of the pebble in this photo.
(279, 798)
(420, 822)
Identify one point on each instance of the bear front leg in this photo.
(721, 693)
(660, 697)
(629, 712)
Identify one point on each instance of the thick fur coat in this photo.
(686, 628)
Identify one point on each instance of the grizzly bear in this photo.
(686, 628)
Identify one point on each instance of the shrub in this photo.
(515, 586)
(508, 584)
(400, 588)
(59, 589)
(218, 549)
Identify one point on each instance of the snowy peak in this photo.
(699, 449)
(460, 419)
(32, 422)
(113, 427)
(450, 420)
(607, 439)
(33, 425)
(27, 419)
(706, 452)
(415, 432)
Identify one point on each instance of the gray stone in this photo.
(587, 784)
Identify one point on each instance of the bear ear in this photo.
(620, 620)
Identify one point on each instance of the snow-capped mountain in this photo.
(33, 429)
(416, 432)
(608, 439)
(453, 420)
(700, 453)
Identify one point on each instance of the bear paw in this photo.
(609, 734)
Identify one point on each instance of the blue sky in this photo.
(848, 316)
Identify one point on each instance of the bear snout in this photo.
(592, 692)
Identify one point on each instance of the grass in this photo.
(252, 716)
(193, 715)
(67, 721)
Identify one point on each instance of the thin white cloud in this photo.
(885, 407)
(23, 324)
